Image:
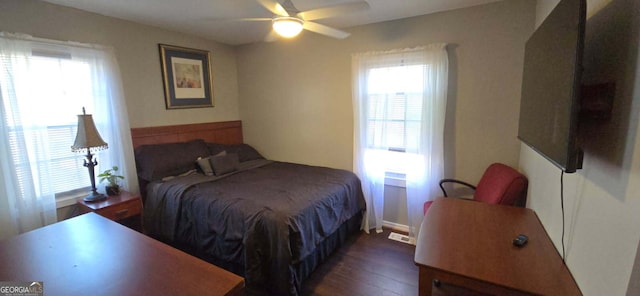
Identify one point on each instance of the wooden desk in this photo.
(469, 244)
(91, 255)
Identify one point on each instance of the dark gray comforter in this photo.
(265, 218)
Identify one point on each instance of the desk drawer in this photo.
(122, 210)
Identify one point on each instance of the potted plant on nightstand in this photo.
(111, 177)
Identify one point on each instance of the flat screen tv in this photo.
(551, 86)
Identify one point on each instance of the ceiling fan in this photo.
(288, 21)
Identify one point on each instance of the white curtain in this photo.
(422, 132)
(29, 110)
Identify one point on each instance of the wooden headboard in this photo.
(223, 132)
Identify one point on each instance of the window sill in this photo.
(395, 182)
(69, 199)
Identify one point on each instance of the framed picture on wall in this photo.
(186, 74)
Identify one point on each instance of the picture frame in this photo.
(186, 76)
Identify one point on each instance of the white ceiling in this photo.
(211, 18)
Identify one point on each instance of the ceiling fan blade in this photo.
(271, 37)
(324, 30)
(289, 7)
(273, 6)
(334, 10)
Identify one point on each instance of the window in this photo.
(394, 106)
(47, 112)
(44, 84)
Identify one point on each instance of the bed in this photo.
(271, 222)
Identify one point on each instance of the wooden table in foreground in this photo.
(469, 244)
(91, 255)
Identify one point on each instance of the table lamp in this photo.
(88, 138)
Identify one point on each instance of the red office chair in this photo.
(500, 184)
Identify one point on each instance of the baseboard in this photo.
(395, 226)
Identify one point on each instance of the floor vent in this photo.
(402, 238)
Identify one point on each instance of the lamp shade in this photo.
(288, 27)
(87, 136)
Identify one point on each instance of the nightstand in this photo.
(125, 208)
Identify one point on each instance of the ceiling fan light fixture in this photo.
(287, 26)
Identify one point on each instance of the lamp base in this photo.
(94, 197)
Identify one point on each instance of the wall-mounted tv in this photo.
(551, 86)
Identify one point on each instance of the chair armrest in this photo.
(454, 181)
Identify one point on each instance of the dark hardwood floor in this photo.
(368, 264)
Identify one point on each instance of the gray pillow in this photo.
(205, 166)
(224, 164)
(205, 163)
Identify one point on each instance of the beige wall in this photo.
(295, 95)
(136, 48)
(601, 200)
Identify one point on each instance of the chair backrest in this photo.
(501, 184)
